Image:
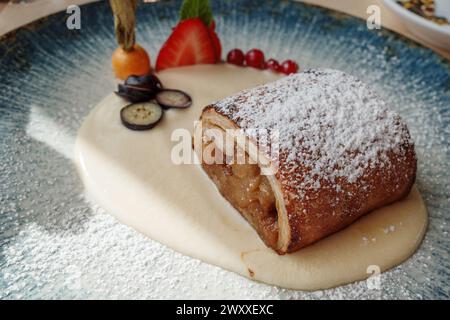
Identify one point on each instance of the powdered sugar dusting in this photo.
(330, 124)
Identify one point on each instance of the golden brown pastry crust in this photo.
(313, 206)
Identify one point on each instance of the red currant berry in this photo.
(273, 65)
(289, 67)
(255, 59)
(236, 56)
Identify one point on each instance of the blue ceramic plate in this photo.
(54, 243)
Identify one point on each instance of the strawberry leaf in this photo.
(196, 9)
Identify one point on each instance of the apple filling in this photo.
(250, 193)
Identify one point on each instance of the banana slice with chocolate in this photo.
(141, 116)
(172, 98)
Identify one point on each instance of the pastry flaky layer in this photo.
(341, 154)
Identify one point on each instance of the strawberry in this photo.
(216, 41)
(190, 43)
(217, 45)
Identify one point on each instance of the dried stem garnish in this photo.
(124, 22)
